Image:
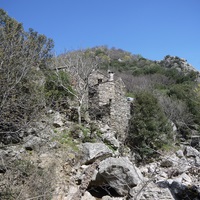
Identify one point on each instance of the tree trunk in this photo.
(79, 111)
(79, 114)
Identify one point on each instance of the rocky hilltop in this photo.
(175, 62)
(52, 164)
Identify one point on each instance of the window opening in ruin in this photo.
(110, 101)
(100, 80)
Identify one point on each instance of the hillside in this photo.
(95, 123)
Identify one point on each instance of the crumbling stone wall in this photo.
(120, 109)
(108, 103)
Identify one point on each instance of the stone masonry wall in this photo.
(120, 110)
(108, 103)
(106, 92)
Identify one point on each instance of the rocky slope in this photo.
(53, 163)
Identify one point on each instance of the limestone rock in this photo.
(110, 139)
(57, 120)
(87, 196)
(151, 191)
(120, 174)
(191, 152)
(105, 129)
(71, 191)
(33, 143)
(94, 151)
(113, 198)
(179, 153)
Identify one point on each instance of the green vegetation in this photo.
(85, 134)
(23, 56)
(24, 180)
(149, 128)
(56, 94)
(66, 139)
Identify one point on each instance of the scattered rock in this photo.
(109, 138)
(33, 143)
(87, 196)
(151, 191)
(94, 151)
(184, 192)
(191, 152)
(179, 153)
(120, 174)
(112, 198)
(57, 120)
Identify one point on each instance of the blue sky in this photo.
(152, 28)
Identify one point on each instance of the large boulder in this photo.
(193, 154)
(94, 151)
(120, 174)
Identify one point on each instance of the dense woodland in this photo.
(165, 92)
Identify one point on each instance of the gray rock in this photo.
(120, 174)
(57, 120)
(191, 152)
(87, 196)
(105, 129)
(179, 153)
(94, 151)
(33, 143)
(113, 198)
(197, 161)
(110, 139)
(183, 165)
(151, 191)
(193, 155)
(186, 179)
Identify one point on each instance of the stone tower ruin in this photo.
(107, 101)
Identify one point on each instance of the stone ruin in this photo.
(107, 101)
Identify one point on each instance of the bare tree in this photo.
(176, 110)
(79, 65)
(143, 82)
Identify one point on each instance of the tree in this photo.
(22, 55)
(57, 97)
(79, 65)
(149, 129)
(177, 112)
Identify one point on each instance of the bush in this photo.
(56, 95)
(24, 180)
(149, 128)
(22, 55)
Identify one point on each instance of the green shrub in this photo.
(57, 95)
(149, 128)
(24, 180)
